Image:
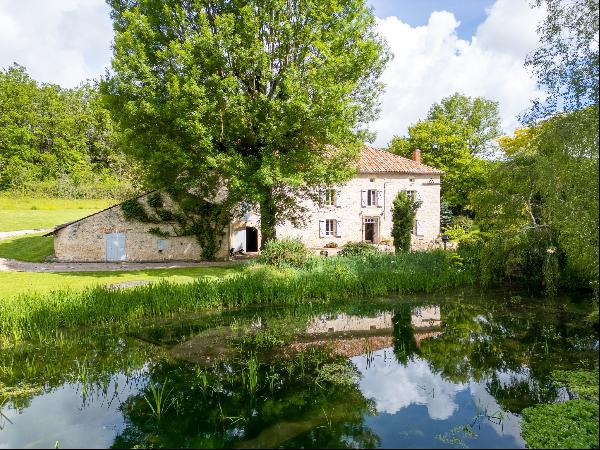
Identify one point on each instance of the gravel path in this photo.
(9, 234)
(12, 265)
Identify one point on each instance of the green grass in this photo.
(39, 283)
(29, 213)
(323, 280)
(33, 248)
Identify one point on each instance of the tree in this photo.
(50, 136)
(457, 133)
(566, 63)
(258, 101)
(403, 218)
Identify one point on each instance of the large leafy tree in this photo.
(457, 133)
(265, 99)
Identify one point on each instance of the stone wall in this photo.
(85, 240)
(349, 211)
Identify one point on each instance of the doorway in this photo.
(251, 239)
(114, 247)
(371, 229)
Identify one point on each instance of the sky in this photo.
(475, 47)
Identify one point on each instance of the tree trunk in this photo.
(267, 217)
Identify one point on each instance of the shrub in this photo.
(284, 253)
(466, 223)
(357, 249)
(455, 232)
(331, 245)
(403, 217)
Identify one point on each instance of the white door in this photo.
(114, 245)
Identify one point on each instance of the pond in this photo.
(446, 371)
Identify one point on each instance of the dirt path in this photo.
(9, 234)
(12, 265)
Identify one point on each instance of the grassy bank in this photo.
(32, 248)
(322, 280)
(32, 213)
(40, 284)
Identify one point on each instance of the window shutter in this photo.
(338, 196)
(321, 228)
(363, 198)
(321, 197)
(379, 199)
(338, 229)
(419, 228)
(419, 198)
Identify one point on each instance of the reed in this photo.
(321, 280)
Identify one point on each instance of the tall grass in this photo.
(322, 280)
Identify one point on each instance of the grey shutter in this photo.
(338, 228)
(379, 199)
(363, 198)
(321, 197)
(321, 228)
(338, 196)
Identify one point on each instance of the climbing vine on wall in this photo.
(196, 217)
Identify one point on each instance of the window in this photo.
(371, 197)
(412, 180)
(330, 197)
(412, 195)
(330, 227)
(161, 245)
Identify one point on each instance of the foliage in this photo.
(34, 248)
(156, 231)
(58, 142)
(455, 232)
(446, 216)
(267, 100)
(566, 63)
(357, 249)
(570, 424)
(542, 204)
(374, 275)
(458, 131)
(404, 211)
(134, 210)
(285, 253)
(583, 382)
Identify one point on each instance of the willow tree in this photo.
(266, 99)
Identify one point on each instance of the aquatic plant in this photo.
(38, 316)
(158, 402)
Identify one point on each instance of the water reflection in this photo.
(355, 375)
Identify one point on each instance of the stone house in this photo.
(359, 210)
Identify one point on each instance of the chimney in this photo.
(417, 155)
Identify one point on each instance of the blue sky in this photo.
(470, 13)
(475, 47)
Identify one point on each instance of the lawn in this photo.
(28, 213)
(33, 247)
(15, 283)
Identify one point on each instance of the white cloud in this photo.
(395, 386)
(431, 62)
(67, 41)
(61, 42)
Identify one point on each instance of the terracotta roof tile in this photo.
(373, 160)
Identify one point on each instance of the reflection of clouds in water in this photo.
(59, 416)
(394, 386)
(510, 424)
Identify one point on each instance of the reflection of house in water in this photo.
(355, 335)
(344, 322)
